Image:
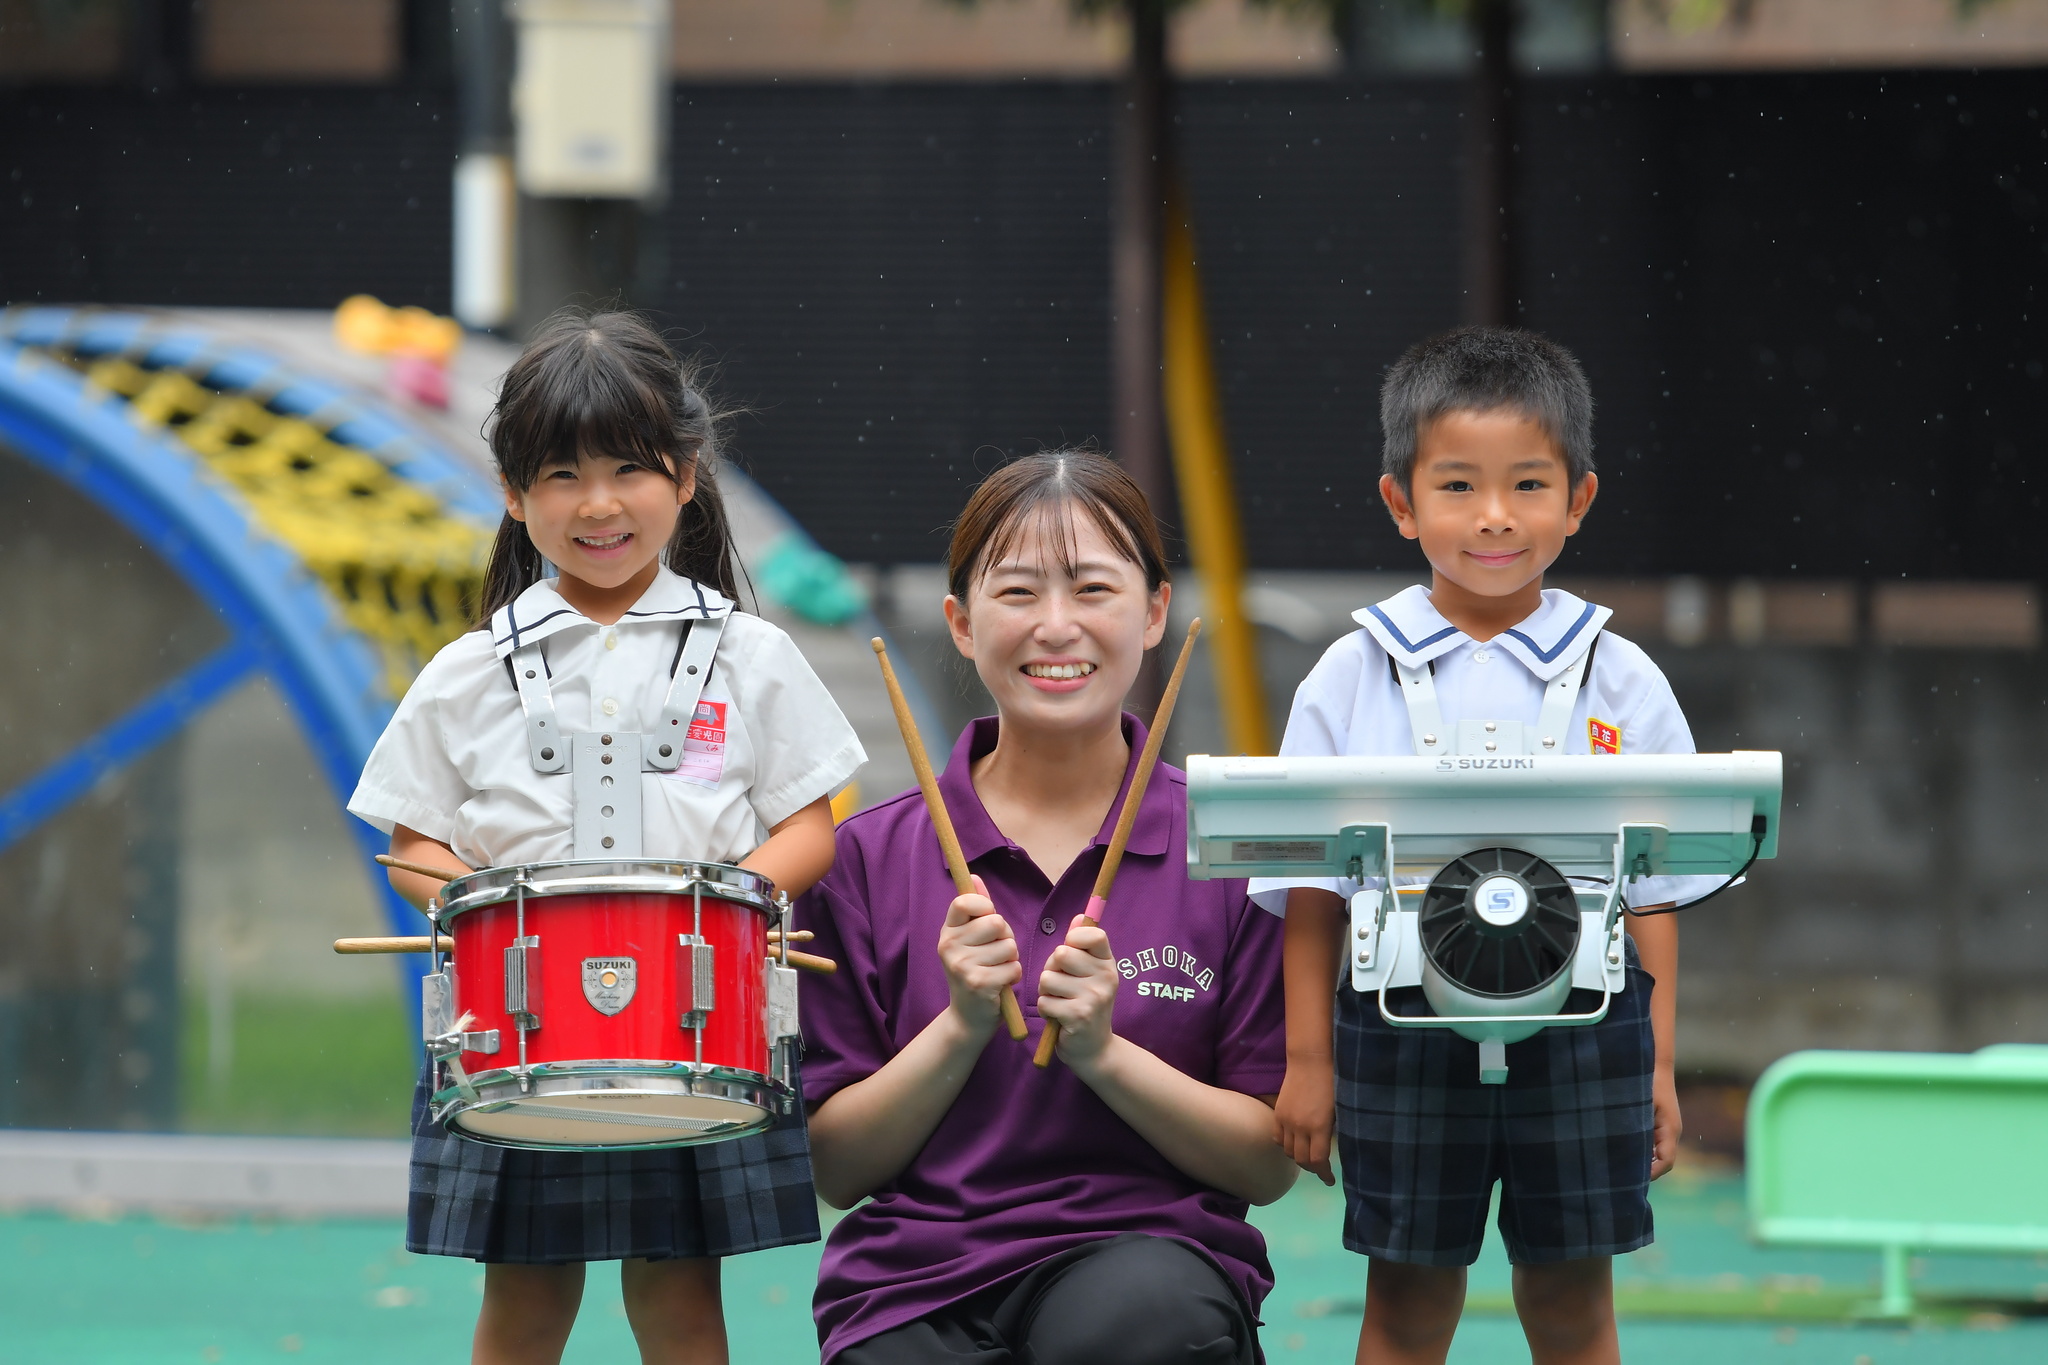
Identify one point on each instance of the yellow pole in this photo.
(1208, 500)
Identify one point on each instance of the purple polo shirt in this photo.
(1029, 1163)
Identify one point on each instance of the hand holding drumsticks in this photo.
(935, 806)
(1120, 837)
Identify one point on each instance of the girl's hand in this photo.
(1077, 991)
(1306, 1113)
(1666, 1124)
(980, 957)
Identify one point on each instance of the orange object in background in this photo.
(419, 343)
(370, 326)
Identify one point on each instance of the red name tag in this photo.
(704, 747)
(1602, 737)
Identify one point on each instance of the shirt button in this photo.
(611, 707)
(1481, 657)
(611, 639)
(1046, 926)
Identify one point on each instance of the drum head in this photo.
(613, 1119)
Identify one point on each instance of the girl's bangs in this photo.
(582, 409)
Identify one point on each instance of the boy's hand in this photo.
(1306, 1113)
(1666, 1124)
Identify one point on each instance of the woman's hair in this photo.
(607, 384)
(1046, 489)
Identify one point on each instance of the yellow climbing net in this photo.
(405, 570)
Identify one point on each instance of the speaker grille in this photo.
(1480, 958)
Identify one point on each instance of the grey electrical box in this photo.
(590, 97)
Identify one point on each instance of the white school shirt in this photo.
(1351, 703)
(454, 762)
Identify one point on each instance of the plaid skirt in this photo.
(506, 1205)
(1568, 1137)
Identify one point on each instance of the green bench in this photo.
(1902, 1152)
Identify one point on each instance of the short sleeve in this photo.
(845, 1023)
(1319, 726)
(410, 779)
(804, 747)
(1251, 1037)
(1654, 725)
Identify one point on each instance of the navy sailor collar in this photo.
(540, 611)
(1551, 639)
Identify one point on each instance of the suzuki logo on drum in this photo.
(608, 982)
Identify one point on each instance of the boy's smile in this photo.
(1491, 502)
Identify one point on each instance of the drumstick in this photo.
(935, 806)
(1113, 857)
(441, 874)
(810, 962)
(416, 944)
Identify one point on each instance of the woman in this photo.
(1093, 1210)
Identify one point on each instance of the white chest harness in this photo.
(605, 766)
(1474, 737)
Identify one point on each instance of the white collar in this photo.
(540, 611)
(1551, 639)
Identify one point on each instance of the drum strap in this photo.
(607, 810)
(1546, 736)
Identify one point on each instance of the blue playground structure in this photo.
(334, 541)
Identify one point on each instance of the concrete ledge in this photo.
(102, 1172)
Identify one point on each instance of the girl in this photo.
(606, 451)
(1095, 1211)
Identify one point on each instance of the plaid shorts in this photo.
(511, 1206)
(1568, 1136)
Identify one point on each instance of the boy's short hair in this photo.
(1483, 369)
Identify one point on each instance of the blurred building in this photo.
(1798, 244)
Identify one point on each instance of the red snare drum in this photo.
(612, 1005)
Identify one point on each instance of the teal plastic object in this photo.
(810, 582)
(1902, 1152)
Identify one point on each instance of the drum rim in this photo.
(489, 886)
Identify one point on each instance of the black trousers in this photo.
(1133, 1299)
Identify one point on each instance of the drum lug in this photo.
(485, 1041)
(522, 972)
(696, 982)
(782, 1015)
(437, 1006)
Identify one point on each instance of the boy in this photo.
(1488, 463)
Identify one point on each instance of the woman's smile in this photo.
(1059, 675)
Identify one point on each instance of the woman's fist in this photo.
(1077, 990)
(979, 954)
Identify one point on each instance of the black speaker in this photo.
(1499, 922)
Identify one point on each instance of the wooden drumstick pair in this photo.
(1113, 856)
(935, 806)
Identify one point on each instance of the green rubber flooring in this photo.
(140, 1291)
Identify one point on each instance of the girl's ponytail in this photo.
(514, 567)
(607, 382)
(701, 547)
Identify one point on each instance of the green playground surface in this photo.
(151, 1291)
